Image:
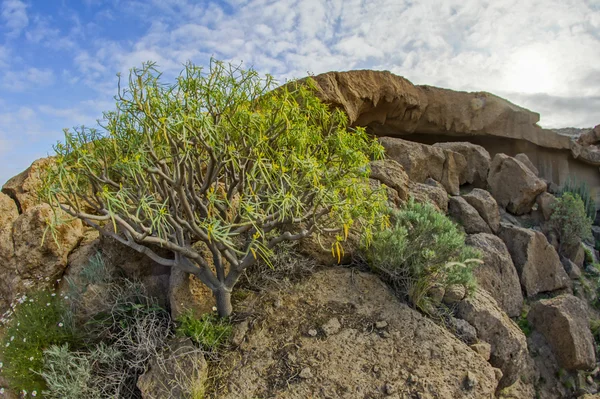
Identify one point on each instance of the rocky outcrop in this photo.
(430, 191)
(23, 188)
(514, 186)
(564, 323)
(497, 275)
(524, 159)
(467, 216)
(509, 346)
(378, 346)
(486, 205)
(478, 162)
(537, 262)
(546, 202)
(393, 175)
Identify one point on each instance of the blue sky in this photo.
(59, 58)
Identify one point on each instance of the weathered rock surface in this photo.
(430, 191)
(564, 323)
(486, 205)
(546, 203)
(537, 262)
(524, 159)
(467, 216)
(478, 161)
(393, 175)
(23, 187)
(514, 186)
(406, 357)
(509, 346)
(498, 275)
(172, 375)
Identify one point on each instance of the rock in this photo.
(470, 381)
(312, 332)
(514, 186)
(477, 158)
(483, 348)
(486, 206)
(497, 275)
(422, 161)
(389, 389)
(40, 259)
(564, 323)
(305, 373)
(188, 293)
(463, 330)
(174, 372)
(454, 293)
(467, 216)
(392, 174)
(431, 192)
(525, 161)
(537, 262)
(381, 324)
(573, 271)
(545, 202)
(23, 187)
(9, 212)
(590, 137)
(239, 332)
(358, 361)
(333, 326)
(509, 347)
(436, 294)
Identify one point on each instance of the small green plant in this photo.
(570, 221)
(580, 188)
(422, 250)
(39, 321)
(208, 331)
(589, 256)
(523, 323)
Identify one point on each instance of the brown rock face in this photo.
(478, 162)
(498, 274)
(537, 262)
(393, 175)
(23, 187)
(467, 216)
(486, 205)
(431, 192)
(509, 346)
(422, 161)
(524, 159)
(514, 186)
(564, 323)
(546, 203)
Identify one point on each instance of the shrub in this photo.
(39, 321)
(220, 158)
(422, 250)
(208, 331)
(570, 221)
(580, 188)
(589, 256)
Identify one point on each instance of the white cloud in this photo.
(25, 79)
(14, 15)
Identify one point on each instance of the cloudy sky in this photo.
(59, 58)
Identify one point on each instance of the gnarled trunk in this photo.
(223, 298)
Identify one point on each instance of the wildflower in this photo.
(31, 359)
(24, 339)
(60, 324)
(48, 304)
(53, 294)
(24, 392)
(66, 297)
(34, 393)
(1, 391)
(7, 344)
(12, 338)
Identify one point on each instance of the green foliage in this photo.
(523, 323)
(222, 158)
(570, 221)
(209, 331)
(580, 188)
(39, 321)
(589, 256)
(96, 374)
(423, 249)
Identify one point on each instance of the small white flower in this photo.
(24, 339)
(34, 393)
(7, 344)
(53, 294)
(66, 297)
(1, 365)
(31, 359)
(214, 308)
(24, 392)
(48, 304)
(60, 324)
(12, 338)
(1, 391)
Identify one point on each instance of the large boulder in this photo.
(498, 275)
(537, 262)
(24, 186)
(546, 203)
(509, 345)
(486, 205)
(513, 184)
(393, 175)
(422, 161)
(467, 216)
(564, 323)
(179, 372)
(478, 162)
(344, 334)
(527, 162)
(430, 191)
(10, 213)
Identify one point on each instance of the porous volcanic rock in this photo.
(513, 184)
(537, 262)
(467, 216)
(382, 346)
(23, 187)
(498, 274)
(564, 323)
(509, 345)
